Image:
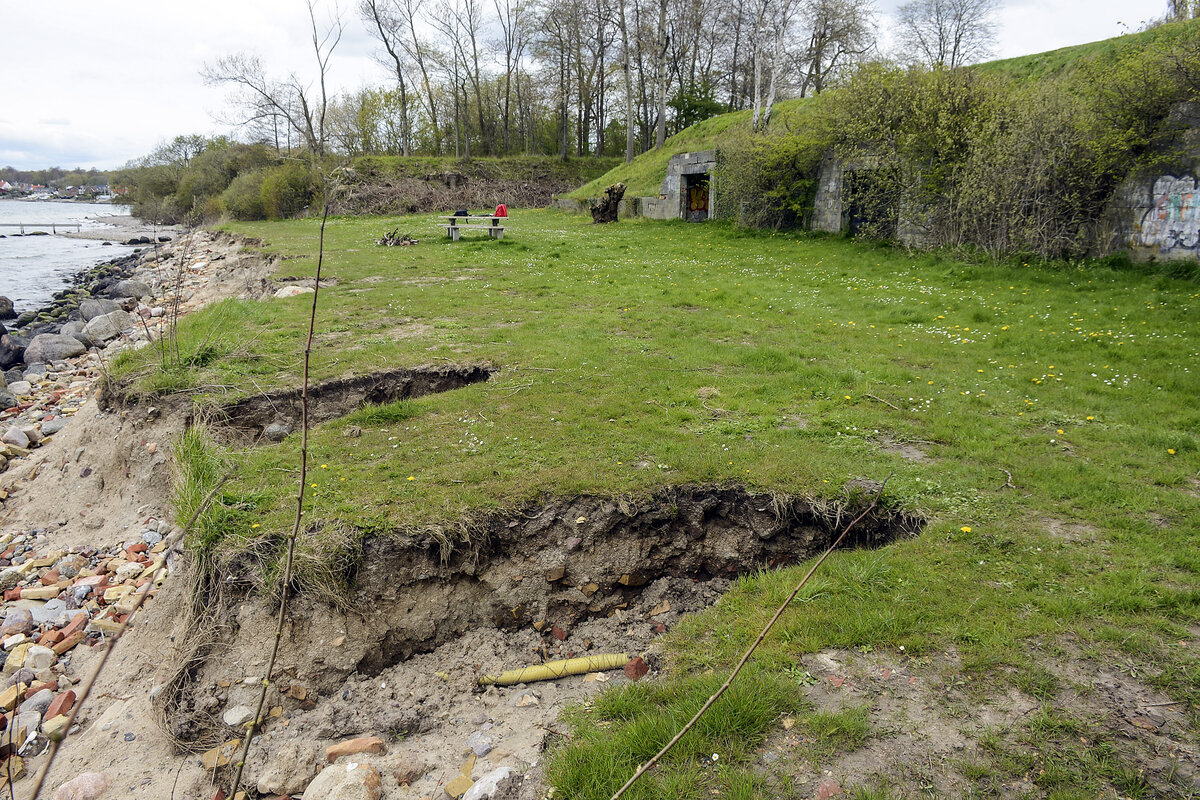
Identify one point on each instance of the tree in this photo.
(262, 98)
(384, 22)
(946, 33)
(840, 32)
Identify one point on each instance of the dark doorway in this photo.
(870, 204)
(695, 197)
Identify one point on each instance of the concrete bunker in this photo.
(687, 190)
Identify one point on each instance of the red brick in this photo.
(37, 686)
(69, 642)
(60, 705)
(13, 594)
(77, 623)
(50, 638)
(140, 547)
(636, 669)
(350, 747)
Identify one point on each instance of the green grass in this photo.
(645, 355)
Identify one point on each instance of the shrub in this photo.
(287, 189)
(243, 199)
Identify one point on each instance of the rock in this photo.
(828, 788)
(636, 669)
(38, 703)
(284, 771)
(53, 426)
(16, 437)
(17, 620)
(130, 288)
(90, 309)
(108, 327)
(25, 318)
(39, 658)
(32, 434)
(7, 400)
(20, 388)
(88, 786)
(276, 432)
(8, 579)
(365, 744)
(60, 705)
(129, 571)
(409, 772)
(220, 755)
(47, 347)
(238, 716)
(346, 782)
(480, 743)
(12, 350)
(6, 308)
(13, 374)
(486, 786)
(293, 291)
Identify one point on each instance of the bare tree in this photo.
(660, 75)
(946, 33)
(840, 32)
(772, 21)
(291, 99)
(384, 21)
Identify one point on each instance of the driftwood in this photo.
(396, 239)
(605, 209)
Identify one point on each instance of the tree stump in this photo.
(605, 209)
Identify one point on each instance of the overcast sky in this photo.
(95, 84)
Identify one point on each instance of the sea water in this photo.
(33, 268)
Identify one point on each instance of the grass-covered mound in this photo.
(643, 355)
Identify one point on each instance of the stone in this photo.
(459, 786)
(285, 770)
(487, 786)
(44, 592)
(363, 744)
(293, 291)
(88, 786)
(130, 288)
(636, 669)
(53, 426)
(7, 400)
(11, 696)
(409, 772)
(6, 308)
(39, 658)
(276, 432)
(129, 571)
(20, 388)
(53, 727)
(109, 326)
(17, 620)
(349, 781)
(8, 579)
(38, 703)
(828, 788)
(90, 309)
(53, 612)
(47, 347)
(238, 716)
(12, 350)
(15, 436)
(480, 743)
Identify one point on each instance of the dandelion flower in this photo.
(1171, 450)
(411, 478)
(847, 397)
(965, 529)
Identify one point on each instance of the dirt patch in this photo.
(906, 450)
(1069, 531)
(249, 418)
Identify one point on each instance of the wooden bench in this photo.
(492, 225)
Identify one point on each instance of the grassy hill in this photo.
(643, 176)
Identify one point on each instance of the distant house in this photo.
(6, 187)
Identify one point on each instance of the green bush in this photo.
(243, 199)
(287, 189)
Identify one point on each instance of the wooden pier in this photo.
(53, 226)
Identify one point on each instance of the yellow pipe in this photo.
(557, 669)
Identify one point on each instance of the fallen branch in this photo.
(1008, 484)
(880, 399)
(644, 768)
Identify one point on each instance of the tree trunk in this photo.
(660, 71)
(605, 209)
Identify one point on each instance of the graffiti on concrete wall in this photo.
(1173, 221)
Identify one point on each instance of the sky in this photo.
(96, 84)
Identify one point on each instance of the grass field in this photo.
(643, 355)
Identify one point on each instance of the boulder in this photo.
(49, 347)
(90, 309)
(16, 437)
(294, 291)
(130, 288)
(6, 308)
(75, 328)
(109, 326)
(348, 781)
(285, 770)
(12, 350)
(53, 426)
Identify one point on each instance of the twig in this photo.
(289, 561)
(1008, 484)
(1169, 703)
(170, 542)
(644, 768)
(880, 399)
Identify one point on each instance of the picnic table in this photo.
(487, 222)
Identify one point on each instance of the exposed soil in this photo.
(336, 398)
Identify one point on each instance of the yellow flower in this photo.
(255, 525)
(1171, 450)
(965, 529)
(1060, 431)
(411, 478)
(1089, 419)
(847, 397)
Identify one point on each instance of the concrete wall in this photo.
(673, 185)
(827, 210)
